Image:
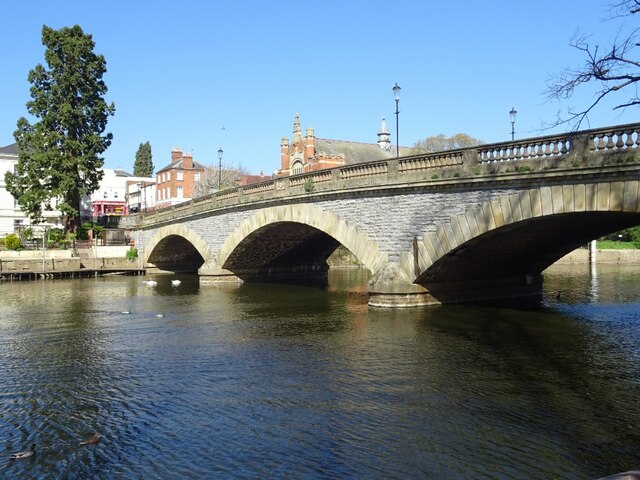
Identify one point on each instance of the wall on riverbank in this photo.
(38, 265)
(581, 255)
(96, 258)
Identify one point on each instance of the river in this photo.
(293, 382)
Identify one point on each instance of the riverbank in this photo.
(31, 264)
(602, 256)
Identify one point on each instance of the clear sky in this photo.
(178, 71)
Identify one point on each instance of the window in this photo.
(179, 175)
(297, 168)
(115, 194)
(104, 194)
(196, 177)
(179, 191)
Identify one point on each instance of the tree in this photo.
(614, 68)
(439, 143)
(208, 182)
(143, 166)
(59, 154)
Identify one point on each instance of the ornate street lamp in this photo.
(219, 167)
(396, 96)
(512, 116)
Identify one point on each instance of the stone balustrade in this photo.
(575, 148)
(616, 138)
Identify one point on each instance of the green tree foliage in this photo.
(143, 165)
(614, 68)
(59, 154)
(439, 143)
(634, 235)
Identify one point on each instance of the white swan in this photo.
(150, 283)
(175, 283)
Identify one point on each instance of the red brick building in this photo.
(309, 154)
(174, 183)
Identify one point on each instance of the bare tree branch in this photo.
(614, 70)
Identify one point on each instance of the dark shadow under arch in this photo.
(175, 253)
(283, 251)
(523, 248)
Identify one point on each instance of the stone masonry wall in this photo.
(392, 221)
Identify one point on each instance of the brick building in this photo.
(174, 183)
(309, 154)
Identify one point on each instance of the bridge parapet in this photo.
(569, 151)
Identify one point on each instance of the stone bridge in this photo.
(454, 226)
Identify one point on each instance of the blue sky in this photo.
(180, 71)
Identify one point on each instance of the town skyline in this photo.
(200, 76)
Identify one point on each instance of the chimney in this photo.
(176, 154)
(187, 160)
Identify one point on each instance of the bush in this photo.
(98, 230)
(132, 254)
(83, 231)
(55, 235)
(26, 234)
(309, 187)
(12, 241)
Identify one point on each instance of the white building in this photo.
(141, 195)
(114, 196)
(11, 215)
(111, 199)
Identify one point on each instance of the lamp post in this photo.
(219, 167)
(396, 96)
(512, 116)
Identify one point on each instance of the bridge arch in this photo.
(520, 234)
(309, 220)
(177, 248)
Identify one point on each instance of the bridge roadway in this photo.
(454, 226)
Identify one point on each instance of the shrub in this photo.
(55, 235)
(12, 241)
(98, 230)
(309, 186)
(83, 231)
(26, 233)
(132, 254)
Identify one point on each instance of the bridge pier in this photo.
(391, 289)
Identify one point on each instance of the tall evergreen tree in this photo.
(59, 154)
(143, 166)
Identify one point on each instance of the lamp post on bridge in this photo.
(396, 96)
(220, 152)
(512, 116)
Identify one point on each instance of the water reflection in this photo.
(285, 381)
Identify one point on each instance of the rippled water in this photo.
(273, 381)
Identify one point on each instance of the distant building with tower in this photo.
(308, 153)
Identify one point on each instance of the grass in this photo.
(613, 245)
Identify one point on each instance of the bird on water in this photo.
(25, 454)
(92, 440)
